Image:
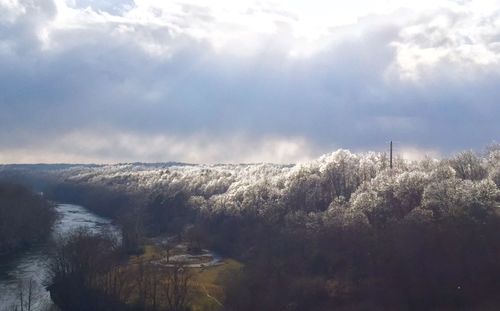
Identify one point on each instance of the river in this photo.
(31, 264)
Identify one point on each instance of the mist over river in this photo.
(31, 263)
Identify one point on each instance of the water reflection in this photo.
(31, 264)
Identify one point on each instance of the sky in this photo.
(88, 81)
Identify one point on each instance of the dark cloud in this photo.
(161, 80)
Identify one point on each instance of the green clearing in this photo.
(207, 290)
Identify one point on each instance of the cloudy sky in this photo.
(245, 81)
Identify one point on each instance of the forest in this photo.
(25, 217)
(345, 232)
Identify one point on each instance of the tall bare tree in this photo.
(176, 288)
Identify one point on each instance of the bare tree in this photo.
(176, 288)
(167, 247)
(28, 295)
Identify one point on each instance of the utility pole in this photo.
(391, 156)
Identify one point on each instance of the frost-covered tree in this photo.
(390, 195)
(457, 197)
(468, 165)
(493, 163)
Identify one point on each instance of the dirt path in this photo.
(212, 297)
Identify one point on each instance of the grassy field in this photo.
(207, 291)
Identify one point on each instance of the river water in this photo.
(31, 264)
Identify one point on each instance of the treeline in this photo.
(342, 232)
(421, 236)
(24, 216)
(401, 264)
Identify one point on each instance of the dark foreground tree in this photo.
(79, 264)
(176, 288)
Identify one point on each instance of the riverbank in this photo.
(30, 263)
(25, 218)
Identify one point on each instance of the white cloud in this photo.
(416, 154)
(430, 31)
(464, 36)
(107, 146)
(293, 77)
